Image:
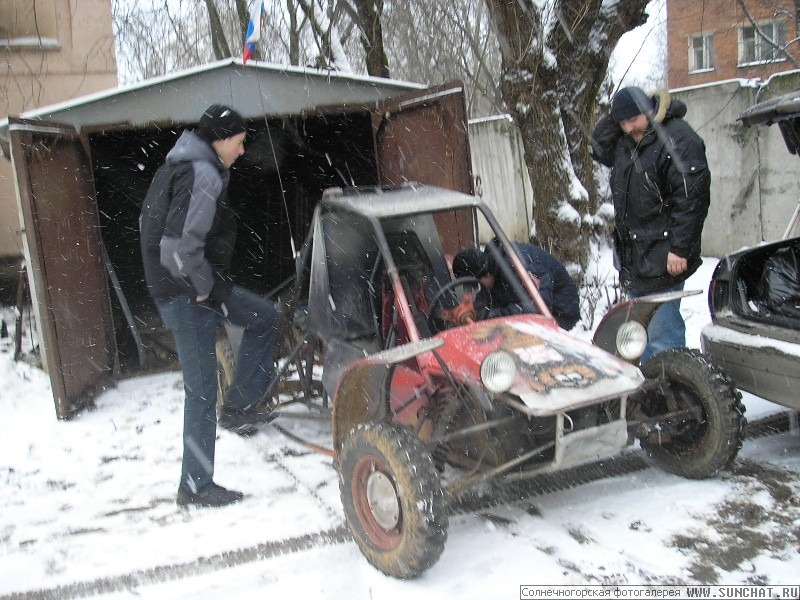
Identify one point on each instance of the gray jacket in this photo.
(187, 228)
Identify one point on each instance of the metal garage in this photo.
(82, 169)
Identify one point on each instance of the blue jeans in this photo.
(194, 327)
(667, 328)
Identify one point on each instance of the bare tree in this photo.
(368, 15)
(151, 36)
(156, 39)
(218, 41)
(554, 60)
(435, 42)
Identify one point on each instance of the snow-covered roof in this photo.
(256, 90)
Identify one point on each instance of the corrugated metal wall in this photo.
(501, 179)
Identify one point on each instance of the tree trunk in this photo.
(369, 16)
(294, 33)
(219, 43)
(550, 78)
(244, 20)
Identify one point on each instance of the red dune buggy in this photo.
(430, 398)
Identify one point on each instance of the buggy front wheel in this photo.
(392, 499)
(709, 435)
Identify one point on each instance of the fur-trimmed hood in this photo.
(666, 107)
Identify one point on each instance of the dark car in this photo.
(754, 296)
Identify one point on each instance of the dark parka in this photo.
(188, 230)
(556, 287)
(661, 191)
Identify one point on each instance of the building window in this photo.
(762, 44)
(28, 24)
(701, 52)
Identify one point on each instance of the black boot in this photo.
(245, 422)
(212, 495)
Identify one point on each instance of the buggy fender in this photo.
(639, 309)
(362, 393)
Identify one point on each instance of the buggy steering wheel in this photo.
(464, 312)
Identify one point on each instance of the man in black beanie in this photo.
(188, 232)
(661, 186)
(220, 122)
(628, 104)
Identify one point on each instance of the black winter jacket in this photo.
(187, 228)
(661, 191)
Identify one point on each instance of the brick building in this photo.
(716, 40)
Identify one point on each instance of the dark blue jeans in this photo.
(194, 327)
(667, 328)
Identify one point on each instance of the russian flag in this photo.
(253, 31)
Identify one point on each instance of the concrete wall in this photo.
(732, 157)
(754, 189)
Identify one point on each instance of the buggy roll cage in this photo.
(354, 235)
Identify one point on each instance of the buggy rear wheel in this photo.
(392, 499)
(701, 444)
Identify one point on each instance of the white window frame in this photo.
(762, 51)
(707, 51)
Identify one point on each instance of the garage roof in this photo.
(255, 90)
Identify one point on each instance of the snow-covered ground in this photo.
(88, 506)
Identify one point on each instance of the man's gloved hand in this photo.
(218, 295)
(605, 137)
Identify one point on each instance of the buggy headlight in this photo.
(498, 371)
(631, 340)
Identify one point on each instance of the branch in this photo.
(330, 52)
(316, 29)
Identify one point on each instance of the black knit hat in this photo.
(220, 122)
(471, 262)
(629, 102)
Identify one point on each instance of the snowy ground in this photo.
(89, 508)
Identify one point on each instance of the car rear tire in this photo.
(392, 499)
(694, 448)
